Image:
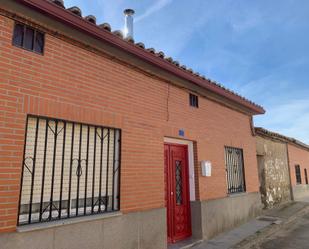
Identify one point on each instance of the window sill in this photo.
(58, 223)
(237, 194)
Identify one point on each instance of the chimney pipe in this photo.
(128, 23)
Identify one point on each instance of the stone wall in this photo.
(274, 175)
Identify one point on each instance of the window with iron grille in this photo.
(69, 169)
(193, 100)
(234, 164)
(28, 38)
(306, 176)
(298, 174)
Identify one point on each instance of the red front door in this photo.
(177, 192)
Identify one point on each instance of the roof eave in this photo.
(68, 18)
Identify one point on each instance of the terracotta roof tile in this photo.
(91, 19)
(106, 26)
(75, 10)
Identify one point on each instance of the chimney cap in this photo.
(129, 12)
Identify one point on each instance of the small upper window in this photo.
(193, 100)
(28, 38)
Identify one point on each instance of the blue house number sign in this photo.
(181, 133)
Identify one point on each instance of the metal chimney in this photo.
(128, 23)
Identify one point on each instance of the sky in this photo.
(258, 48)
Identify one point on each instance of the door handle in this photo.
(172, 193)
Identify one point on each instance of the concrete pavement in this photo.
(255, 233)
(229, 239)
(295, 236)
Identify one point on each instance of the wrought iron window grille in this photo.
(69, 169)
(235, 172)
(298, 174)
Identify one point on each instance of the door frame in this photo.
(186, 189)
(190, 161)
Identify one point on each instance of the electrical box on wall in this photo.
(206, 168)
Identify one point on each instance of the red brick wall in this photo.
(298, 156)
(75, 84)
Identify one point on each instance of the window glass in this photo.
(179, 188)
(29, 36)
(193, 100)
(18, 35)
(39, 42)
(298, 174)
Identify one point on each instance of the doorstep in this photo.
(184, 244)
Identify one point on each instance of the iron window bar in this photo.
(69, 170)
(28, 38)
(235, 172)
(193, 100)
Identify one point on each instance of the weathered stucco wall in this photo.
(212, 217)
(274, 175)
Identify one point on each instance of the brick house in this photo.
(106, 144)
(283, 164)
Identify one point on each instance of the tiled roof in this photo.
(267, 133)
(92, 19)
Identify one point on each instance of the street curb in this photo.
(260, 236)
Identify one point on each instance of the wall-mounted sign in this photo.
(181, 133)
(206, 168)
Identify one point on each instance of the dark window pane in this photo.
(18, 35)
(29, 38)
(193, 100)
(39, 42)
(298, 174)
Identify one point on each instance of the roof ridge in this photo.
(107, 27)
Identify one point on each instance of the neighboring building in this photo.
(274, 173)
(102, 140)
(283, 164)
(299, 166)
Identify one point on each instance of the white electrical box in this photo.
(206, 168)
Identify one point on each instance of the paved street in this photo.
(295, 236)
(292, 235)
(227, 240)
